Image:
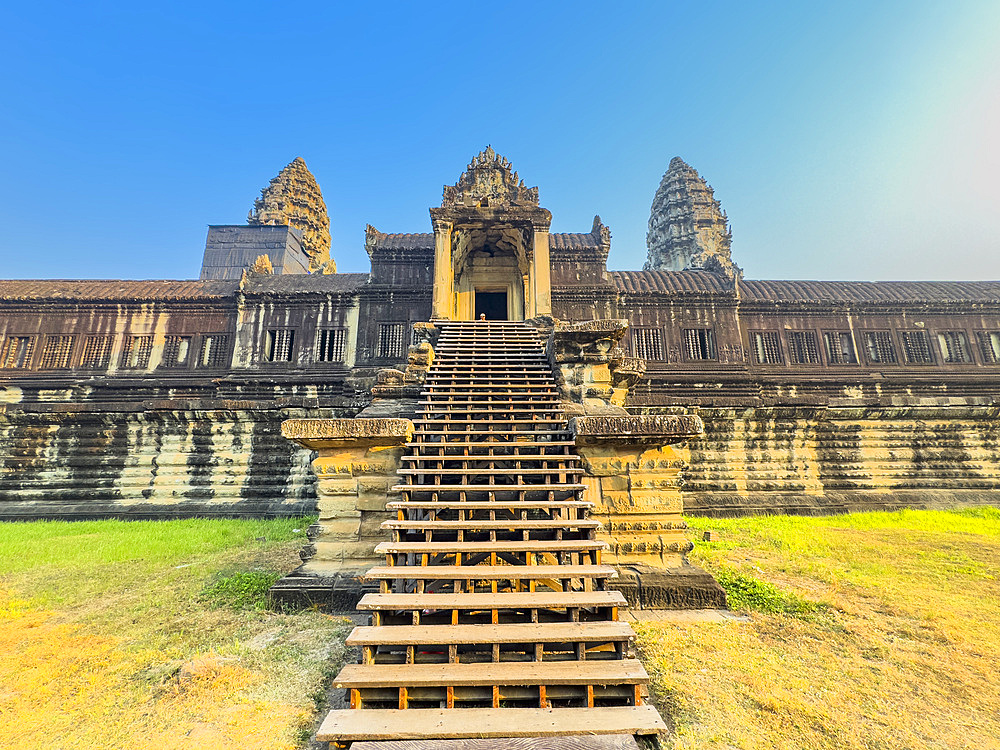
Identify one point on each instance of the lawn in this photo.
(871, 630)
(877, 630)
(124, 635)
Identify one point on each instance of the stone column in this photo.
(443, 304)
(632, 472)
(541, 273)
(355, 471)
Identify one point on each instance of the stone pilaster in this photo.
(633, 477)
(541, 273)
(442, 306)
(355, 471)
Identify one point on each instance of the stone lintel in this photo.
(334, 433)
(635, 430)
(592, 330)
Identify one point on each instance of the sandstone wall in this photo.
(828, 460)
(153, 464)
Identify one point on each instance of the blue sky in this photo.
(856, 140)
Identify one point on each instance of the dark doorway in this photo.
(492, 304)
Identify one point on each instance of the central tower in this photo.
(491, 246)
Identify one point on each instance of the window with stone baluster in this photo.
(916, 348)
(647, 343)
(989, 346)
(879, 347)
(802, 348)
(17, 352)
(699, 343)
(766, 347)
(954, 347)
(56, 352)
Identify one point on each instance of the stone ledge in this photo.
(651, 430)
(334, 433)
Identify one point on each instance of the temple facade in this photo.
(165, 398)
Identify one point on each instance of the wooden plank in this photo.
(513, 505)
(555, 632)
(561, 458)
(503, 472)
(568, 486)
(521, 673)
(512, 524)
(577, 545)
(486, 723)
(476, 601)
(489, 572)
(599, 742)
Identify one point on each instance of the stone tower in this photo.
(293, 198)
(688, 230)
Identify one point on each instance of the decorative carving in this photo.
(602, 233)
(489, 181)
(641, 430)
(593, 372)
(293, 198)
(688, 230)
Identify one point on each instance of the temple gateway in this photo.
(152, 399)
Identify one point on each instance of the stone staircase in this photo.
(492, 618)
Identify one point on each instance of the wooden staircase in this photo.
(492, 619)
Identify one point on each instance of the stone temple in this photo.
(499, 434)
(148, 399)
(153, 398)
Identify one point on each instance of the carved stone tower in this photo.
(293, 198)
(688, 230)
(491, 246)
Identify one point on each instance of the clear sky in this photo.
(849, 140)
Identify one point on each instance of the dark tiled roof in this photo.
(703, 282)
(671, 282)
(303, 283)
(114, 289)
(871, 291)
(425, 241)
(574, 241)
(418, 241)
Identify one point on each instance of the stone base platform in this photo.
(339, 589)
(687, 587)
(333, 590)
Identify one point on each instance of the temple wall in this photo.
(72, 463)
(828, 460)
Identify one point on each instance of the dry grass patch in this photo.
(886, 634)
(132, 637)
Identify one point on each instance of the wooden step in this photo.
(494, 445)
(598, 672)
(489, 572)
(464, 391)
(427, 635)
(503, 472)
(565, 487)
(433, 548)
(512, 524)
(511, 505)
(444, 419)
(545, 457)
(348, 725)
(489, 601)
(489, 723)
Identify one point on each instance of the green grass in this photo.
(115, 632)
(869, 630)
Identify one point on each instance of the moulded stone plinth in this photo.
(633, 479)
(355, 469)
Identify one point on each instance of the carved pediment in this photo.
(489, 181)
